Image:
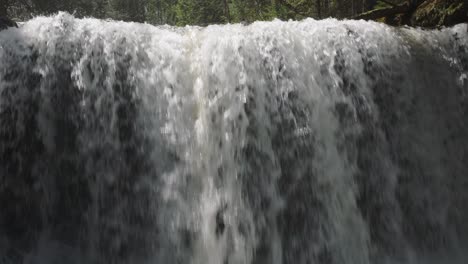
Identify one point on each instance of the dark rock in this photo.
(6, 23)
(220, 223)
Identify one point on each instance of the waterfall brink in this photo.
(331, 142)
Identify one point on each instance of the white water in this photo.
(277, 142)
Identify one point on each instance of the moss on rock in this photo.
(436, 13)
(425, 13)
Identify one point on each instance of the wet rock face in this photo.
(6, 23)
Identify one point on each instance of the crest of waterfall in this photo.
(331, 142)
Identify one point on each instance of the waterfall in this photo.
(331, 142)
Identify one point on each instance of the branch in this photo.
(383, 12)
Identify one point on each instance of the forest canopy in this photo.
(193, 12)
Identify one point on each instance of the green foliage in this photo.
(126, 10)
(249, 11)
(161, 12)
(200, 12)
(194, 12)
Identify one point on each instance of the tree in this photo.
(226, 11)
(248, 11)
(161, 12)
(128, 10)
(200, 12)
(318, 6)
(4, 8)
(99, 9)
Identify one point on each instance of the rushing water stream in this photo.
(329, 142)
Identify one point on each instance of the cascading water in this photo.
(278, 142)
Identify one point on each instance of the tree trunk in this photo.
(319, 8)
(226, 10)
(338, 12)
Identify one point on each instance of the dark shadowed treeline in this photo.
(196, 12)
